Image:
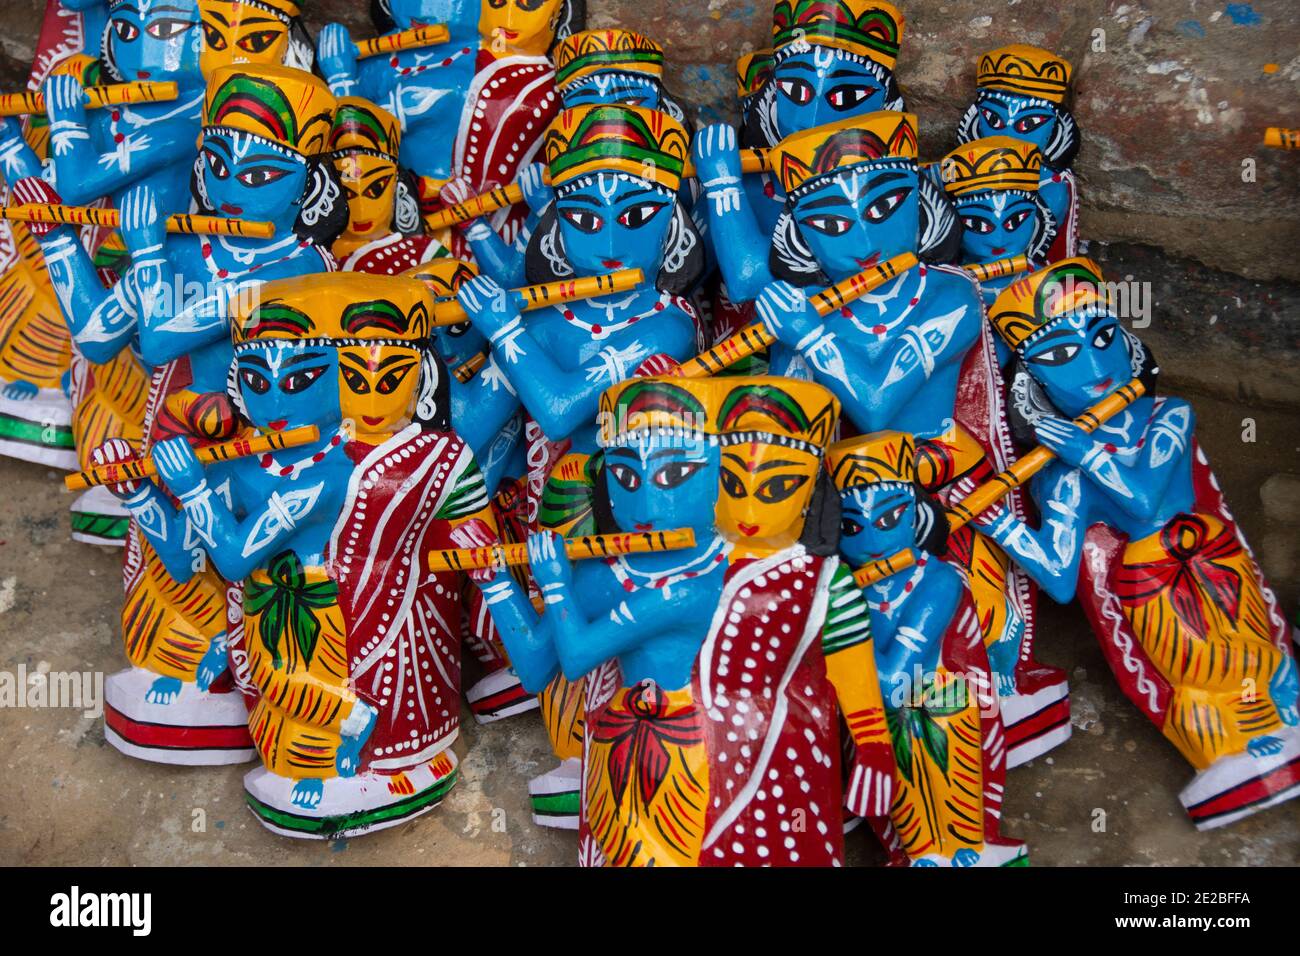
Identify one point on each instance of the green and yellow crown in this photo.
(582, 54)
(286, 106)
(361, 126)
(629, 139)
(776, 410)
(340, 307)
(869, 28)
(804, 157)
(752, 72)
(886, 456)
(1040, 298)
(994, 162)
(659, 403)
(1026, 70)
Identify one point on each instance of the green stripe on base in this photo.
(346, 822)
(34, 433)
(566, 804)
(110, 527)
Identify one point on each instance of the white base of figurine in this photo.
(38, 429)
(98, 517)
(556, 795)
(1036, 723)
(197, 729)
(499, 695)
(1237, 786)
(351, 806)
(992, 855)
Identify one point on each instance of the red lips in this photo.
(998, 250)
(748, 530)
(232, 210)
(870, 261)
(372, 419)
(278, 424)
(643, 526)
(612, 263)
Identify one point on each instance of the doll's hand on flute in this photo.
(31, 191)
(65, 105)
(178, 466)
(489, 307)
(551, 567)
(117, 451)
(476, 533)
(785, 311)
(532, 183)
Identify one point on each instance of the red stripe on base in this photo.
(496, 701)
(171, 737)
(1247, 792)
(1035, 725)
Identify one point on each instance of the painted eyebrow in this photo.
(1099, 318)
(214, 141)
(255, 360)
(218, 16)
(358, 360)
(831, 200)
(891, 498)
(673, 451)
(763, 466)
(836, 74)
(578, 197)
(642, 192)
(263, 157)
(299, 359)
(169, 9)
(1054, 334)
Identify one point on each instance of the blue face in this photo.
(860, 216)
(996, 224)
(657, 483)
(1005, 114)
(1080, 359)
(876, 521)
(617, 222)
(823, 86)
(250, 177)
(461, 16)
(286, 385)
(458, 343)
(155, 39)
(615, 88)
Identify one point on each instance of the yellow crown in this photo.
(752, 72)
(869, 28)
(1026, 70)
(994, 162)
(629, 139)
(283, 10)
(280, 104)
(444, 276)
(662, 402)
(337, 307)
(361, 125)
(806, 156)
(784, 411)
(1040, 298)
(582, 54)
(874, 458)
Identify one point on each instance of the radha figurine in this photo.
(1135, 525)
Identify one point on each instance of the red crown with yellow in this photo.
(289, 107)
(361, 126)
(583, 54)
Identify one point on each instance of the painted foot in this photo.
(965, 857)
(20, 391)
(1264, 746)
(164, 690)
(212, 666)
(924, 863)
(307, 793)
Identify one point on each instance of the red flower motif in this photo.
(639, 738)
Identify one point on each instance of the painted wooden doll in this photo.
(385, 233)
(351, 646)
(710, 736)
(941, 706)
(1136, 527)
(261, 157)
(1023, 92)
(616, 171)
(249, 32)
(914, 355)
(474, 108)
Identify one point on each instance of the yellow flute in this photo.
(1002, 484)
(578, 549)
(1281, 138)
(984, 271)
(412, 39)
(755, 337)
(183, 224)
(239, 448)
(469, 368)
(484, 204)
(530, 297)
(97, 97)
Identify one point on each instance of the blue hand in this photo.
(164, 690)
(307, 793)
(20, 391)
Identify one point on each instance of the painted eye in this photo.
(125, 30)
(733, 486)
(780, 488)
(637, 216)
(626, 477)
(378, 187)
(167, 27)
(388, 384)
(848, 96)
(259, 41)
(849, 527)
(582, 220)
(993, 120)
(828, 225)
(1027, 124)
(355, 381)
(675, 473)
(261, 175)
(1057, 355)
(299, 381)
(217, 164)
(977, 225)
(213, 38)
(884, 207)
(889, 520)
(1016, 219)
(457, 330)
(257, 383)
(799, 92)
(1104, 337)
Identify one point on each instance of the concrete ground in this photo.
(66, 797)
